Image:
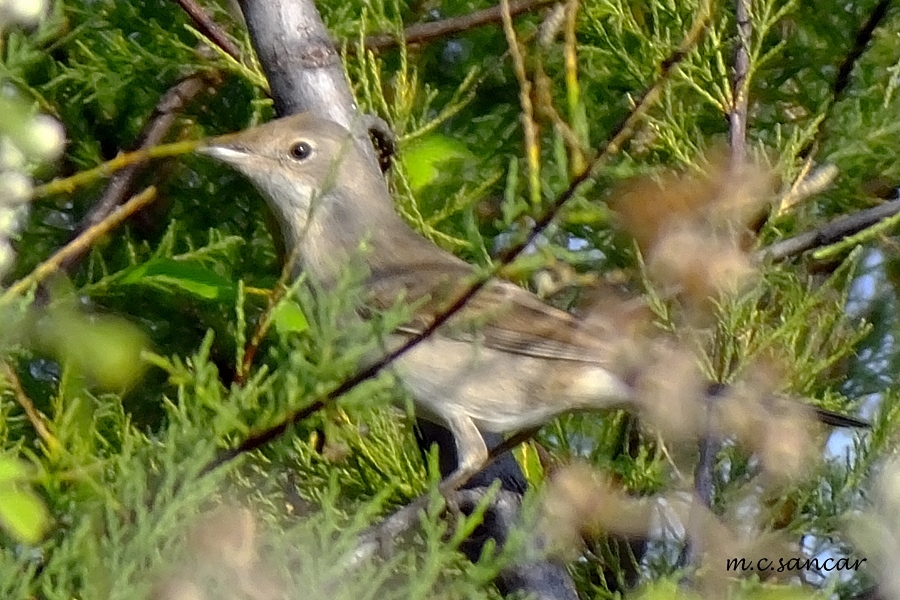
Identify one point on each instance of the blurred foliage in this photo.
(116, 481)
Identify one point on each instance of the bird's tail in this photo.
(828, 417)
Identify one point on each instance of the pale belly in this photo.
(501, 391)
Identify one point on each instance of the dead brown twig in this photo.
(160, 121)
(34, 416)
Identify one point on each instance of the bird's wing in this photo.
(501, 316)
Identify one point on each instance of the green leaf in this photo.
(23, 514)
(171, 275)
(423, 158)
(104, 347)
(288, 317)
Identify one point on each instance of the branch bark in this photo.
(426, 32)
(209, 28)
(303, 68)
(829, 233)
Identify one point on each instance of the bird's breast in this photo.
(502, 391)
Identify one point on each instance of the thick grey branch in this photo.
(303, 68)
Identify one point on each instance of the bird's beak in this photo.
(223, 153)
(225, 149)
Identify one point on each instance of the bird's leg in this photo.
(471, 451)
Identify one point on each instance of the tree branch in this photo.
(829, 233)
(80, 244)
(303, 68)
(426, 32)
(208, 27)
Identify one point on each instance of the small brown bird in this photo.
(506, 362)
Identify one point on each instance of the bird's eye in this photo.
(301, 151)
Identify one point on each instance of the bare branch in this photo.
(302, 66)
(863, 36)
(426, 32)
(829, 233)
(740, 88)
(210, 28)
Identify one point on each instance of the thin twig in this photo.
(573, 89)
(265, 320)
(34, 416)
(80, 244)
(828, 234)
(160, 121)
(709, 444)
(737, 140)
(617, 137)
(852, 241)
(863, 36)
(532, 144)
(67, 185)
(426, 32)
(210, 28)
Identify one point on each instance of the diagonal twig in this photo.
(80, 244)
(208, 27)
(861, 41)
(829, 233)
(66, 185)
(34, 416)
(160, 121)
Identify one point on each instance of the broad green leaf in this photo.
(172, 275)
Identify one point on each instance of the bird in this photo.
(506, 362)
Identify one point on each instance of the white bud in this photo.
(9, 223)
(45, 138)
(15, 188)
(26, 12)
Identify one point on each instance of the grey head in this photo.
(315, 180)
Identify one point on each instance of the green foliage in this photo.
(111, 500)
